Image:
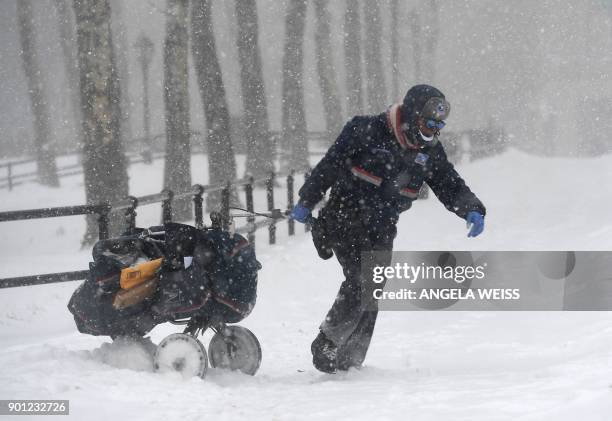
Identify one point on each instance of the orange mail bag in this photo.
(136, 275)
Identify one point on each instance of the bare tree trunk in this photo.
(260, 151)
(122, 53)
(326, 71)
(45, 153)
(432, 34)
(145, 49)
(293, 115)
(177, 173)
(106, 178)
(68, 43)
(221, 161)
(394, 47)
(352, 56)
(375, 80)
(425, 40)
(417, 45)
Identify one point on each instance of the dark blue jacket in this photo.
(373, 178)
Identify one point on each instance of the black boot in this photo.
(324, 354)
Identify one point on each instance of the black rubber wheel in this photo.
(235, 348)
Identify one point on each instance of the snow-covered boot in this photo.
(324, 354)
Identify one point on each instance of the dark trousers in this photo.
(350, 321)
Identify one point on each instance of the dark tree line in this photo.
(352, 57)
(69, 51)
(96, 70)
(425, 28)
(45, 153)
(293, 131)
(221, 161)
(332, 108)
(177, 171)
(260, 151)
(375, 81)
(104, 162)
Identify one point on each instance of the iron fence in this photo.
(129, 206)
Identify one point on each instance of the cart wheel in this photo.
(181, 353)
(235, 348)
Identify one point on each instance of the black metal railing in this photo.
(130, 205)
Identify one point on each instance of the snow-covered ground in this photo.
(421, 365)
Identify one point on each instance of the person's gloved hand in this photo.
(300, 213)
(475, 223)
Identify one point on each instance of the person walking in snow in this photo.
(375, 170)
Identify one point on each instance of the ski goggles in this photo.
(434, 124)
(436, 109)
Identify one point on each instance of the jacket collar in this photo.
(394, 122)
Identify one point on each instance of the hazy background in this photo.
(541, 70)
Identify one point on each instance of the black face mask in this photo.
(414, 135)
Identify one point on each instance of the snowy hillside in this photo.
(421, 365)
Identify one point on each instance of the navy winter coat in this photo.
(373, 178)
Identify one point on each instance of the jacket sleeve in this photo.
(331, 167)
(450, 188)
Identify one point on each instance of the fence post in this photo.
(103, 211)
(250, 208)
(225, 205)
(10, 176)
(130, 214)
(197, 206)
(290, 202)
(167, 206)
(270, 194)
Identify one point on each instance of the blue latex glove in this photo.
(475, 223)
(300, 213)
